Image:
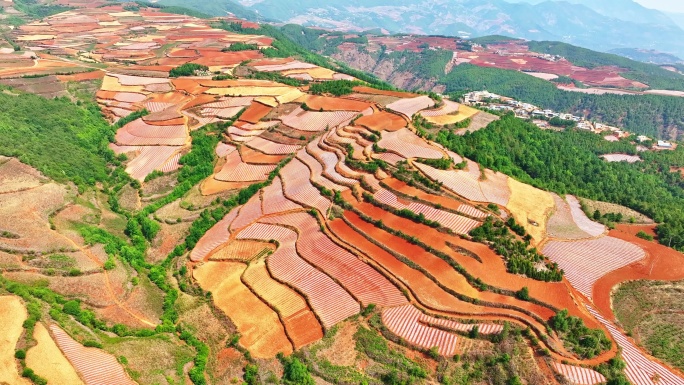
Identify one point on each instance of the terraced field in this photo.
(295, 213)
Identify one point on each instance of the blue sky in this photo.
(664, 5)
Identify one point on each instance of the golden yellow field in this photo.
(289, 96)
(316, 73)
(530, 204)
(48, 361)
(464, 112)
(110, 83)
(12, 316)
(261, 331)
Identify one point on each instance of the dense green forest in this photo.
(65, 141)
(568, 163)
(651, 74)
(651, 115)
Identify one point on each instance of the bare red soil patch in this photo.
(255, 112)
(382, 121)
(661, 263)
(82, 76)
(316, 102)
(373, 91)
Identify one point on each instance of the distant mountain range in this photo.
(603, 25)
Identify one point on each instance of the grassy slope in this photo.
(653, 312)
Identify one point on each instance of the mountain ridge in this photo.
(597, 26)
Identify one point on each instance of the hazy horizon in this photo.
(663, 5)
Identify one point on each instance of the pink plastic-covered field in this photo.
(407, 144)
(270, 147)
(329, 161)
(245, 135)
(561, 224)
(215, 237)
(410, 106)
(298, 186)
(172, 164)
(150, 158)
(578, 375)
(224, 149)
(459, 182)
(139, 133)
(329, 301)
(317, 171)
(314, 121)
(361, 280)
(585, 261)
(94, 365)
(459, 224)
(129, 97)
(249, 213)
(583, 222)
(224, 113)
(157, 106)
(621, 158)
(460, 327)
(293, 65)
(405, 322)
(235, 170)
(388, 157)
(274, 201)
(641, 369)
(228, 102)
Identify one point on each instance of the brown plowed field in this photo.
(255, 112)
(328, 103)
(81, 76)
(257, 157)
(373, 91)
(382, 121)
(260, 328)
(190, 86)
(661, 263)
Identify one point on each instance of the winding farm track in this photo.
(110, 290)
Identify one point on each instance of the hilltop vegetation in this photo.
(65, 141)
(568, 163)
